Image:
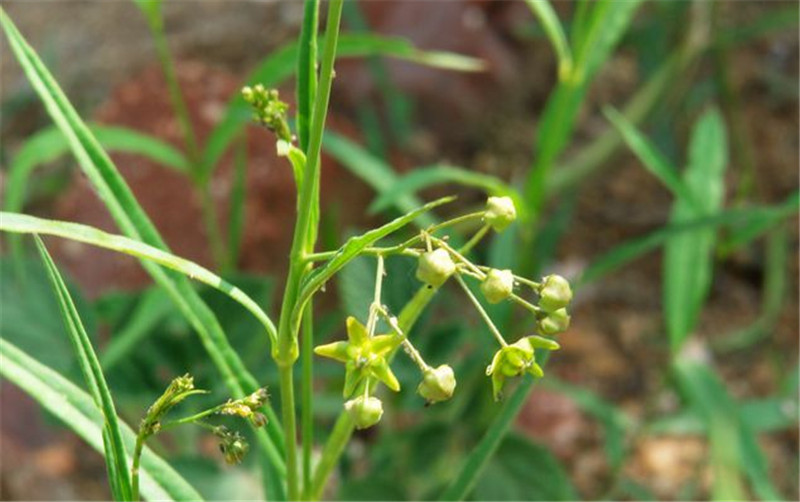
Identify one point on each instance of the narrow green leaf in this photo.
(629, 251)
(424, 177)
(651, 158)
(77, 410)
(478, 459)
(49, 144)
(607, 23)
(116, 460)
(688, 257)
(22, 223)
(604, 26)
(555, 32)
(134, 223)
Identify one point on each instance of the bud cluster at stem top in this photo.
(269, 110)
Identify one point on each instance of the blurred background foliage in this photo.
(657, 161)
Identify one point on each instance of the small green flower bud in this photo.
(554, 323)
(434, 267)
(498, 285)
(365, 412)
(500, 212)
(437, 384)
(554, 293)
(247, 93)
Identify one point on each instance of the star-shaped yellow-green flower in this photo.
(516, 359)
(363, 356)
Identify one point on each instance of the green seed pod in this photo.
(434, 267)
(500, 212)
(365, 412)
(437, 384)
(554, 293)
(498, 285)
(554, 323)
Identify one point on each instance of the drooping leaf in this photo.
(555, 32)
(22, 223)
(116, 460)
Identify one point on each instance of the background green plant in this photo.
(700, 232)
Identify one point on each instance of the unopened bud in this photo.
(434, 267)
(365, 411)
(498, 285)
(554, 323)
(500, 212)
(554, 293)
(437, 384)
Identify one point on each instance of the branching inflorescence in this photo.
(367, 354)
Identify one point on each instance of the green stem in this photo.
(305, 231)
(307, 394)
(289, 430)
(137, 457)
(156, 25)
(475, 239)
(307, 69)
(331, 453)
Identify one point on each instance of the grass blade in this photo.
(427, 176)
(93, 375)
(649, 155)
(49, 144)
(635, 248)
(22, 223)
(477, 461)
(555, 32)
(601, 31)
(688, 256)
(134, 223)
(77, 410)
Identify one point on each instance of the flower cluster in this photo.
(269, 110)
(367, 355)
(232, 444)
